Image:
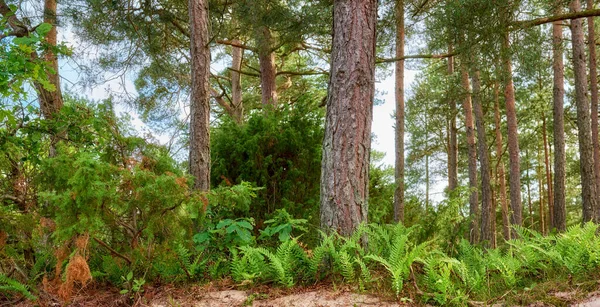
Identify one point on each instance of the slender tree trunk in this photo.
(586, 149)
(199, 105)
(500, 166)
(426, 158)
(548, 174)
(453, 141)
(347, 141)
(529, 189)
(484, 164)
(237, 112)
(472, 158)
(540, 177)
(494, 209)
(512, 136)
(399, 170)
(559, 206)
(268, 72)
(594, 101)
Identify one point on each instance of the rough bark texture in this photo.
(268, 72)
(558, 220)
(453, 141)
(594, 101)
(399, 170)
(586, 149)
(50, 101)
(548, 175)
(347, 141)
(500, 177)
(199, 161)
(484, 165)
(237, 108)
(472, 157)
(512, 136)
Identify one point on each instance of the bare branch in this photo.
(417, 56)
(540, 21)
(235, 44)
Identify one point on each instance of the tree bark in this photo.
(399, 170)
(540, 178)
(453, 141)
(50, 101)
(268, 72)
(484, 164)
(347, 141)
(586, 149)
(548, 175)
(559, 206)
(594, 101)
(513, 135)
(199, 157)
(500, 177)
(472, 157)
(237, 108)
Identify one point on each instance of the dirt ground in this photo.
(217, 296)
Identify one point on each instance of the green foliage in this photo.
(400, 257)
(279, 150)
(9, 286)
(282, 224)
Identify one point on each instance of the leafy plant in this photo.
(282, 224)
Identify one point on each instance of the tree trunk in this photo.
(512, 136)
(399, 170)
(484, 164)
(586, 149)
(50, 101)
(472, 157)
(453, 141)
(347, 141)
(500, 177)
(548, 174)
(266, 59)
(199, 162)
(594, 101)
(559, 207)
(528, 184)
(540, 177)
(237, 108)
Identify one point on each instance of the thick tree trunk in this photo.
(558, 67)
(199, 161)
(399, 170)
(586, 149)
(472, 157)
(237, 108)
(347, 141)
(512, 136)
(453, 141)
(268, 72)
(594, 101)
(500, 177)
(484, 164)
(548, 175)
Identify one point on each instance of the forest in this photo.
(159, 147)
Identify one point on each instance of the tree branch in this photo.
(417, 56)
(19, 29)
(112, 251)
(244, 72)
(540, 21)
(301, 73)
(235, 44)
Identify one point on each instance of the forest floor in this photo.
(264, 296)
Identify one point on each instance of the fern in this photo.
(401, 257)
(10, 285)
